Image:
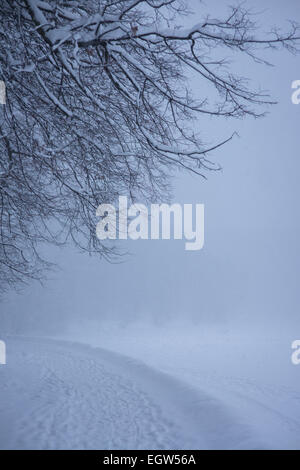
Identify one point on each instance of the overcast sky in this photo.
(249, 268)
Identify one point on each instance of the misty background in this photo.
(248, 271)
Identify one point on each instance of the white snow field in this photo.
(62, 395)
(246, 372)
(189, 392)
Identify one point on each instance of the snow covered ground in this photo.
(178, 390)
(60, 395)
(248, 371)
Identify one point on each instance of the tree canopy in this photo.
(99, 105)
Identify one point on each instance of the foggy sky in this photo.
(249, 268)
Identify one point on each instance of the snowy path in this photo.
(61, 395)
(249, 372)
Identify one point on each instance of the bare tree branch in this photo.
(98, 105)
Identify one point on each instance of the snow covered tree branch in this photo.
(98, 105)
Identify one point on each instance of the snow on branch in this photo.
(99, 104)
